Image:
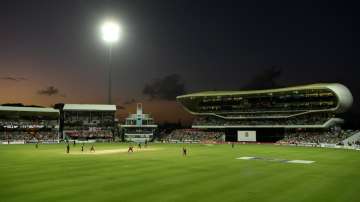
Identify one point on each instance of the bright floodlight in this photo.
(110, 32)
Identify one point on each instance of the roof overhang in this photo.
(344, 96)
(89, 107)
(28, 111)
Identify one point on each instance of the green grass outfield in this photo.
(208, 173)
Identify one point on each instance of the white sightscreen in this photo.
(249, 135)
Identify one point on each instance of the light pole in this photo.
(110, 32)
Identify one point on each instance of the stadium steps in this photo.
(355, 137)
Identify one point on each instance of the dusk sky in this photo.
(209, 44)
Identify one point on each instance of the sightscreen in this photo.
(248, 135)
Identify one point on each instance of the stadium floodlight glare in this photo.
(110, 31)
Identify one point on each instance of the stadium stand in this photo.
(28, 124)
(353, 138)
(139, 127)
(89, 121)
(313, 119)
(194, 135)
(317, 137)
(269, 113)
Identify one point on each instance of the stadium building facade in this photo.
(139, 127)
(88, 121)
(28, 125)
(266, 115)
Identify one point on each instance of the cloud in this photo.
(12, 78)
(49, 91)
(166, 88)
(268, 78)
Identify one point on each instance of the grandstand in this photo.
(268, 115)
(194, 136)
(139, 127)
(28, 125)
(89, 121)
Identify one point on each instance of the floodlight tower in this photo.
(110, 32)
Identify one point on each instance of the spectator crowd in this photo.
(308, 119)
(29, 136)
(83, 134)
(317, 137)
(194, 135)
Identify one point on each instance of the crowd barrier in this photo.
(13, 142)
